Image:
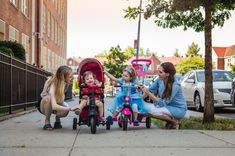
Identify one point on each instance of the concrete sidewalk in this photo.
(23, 136)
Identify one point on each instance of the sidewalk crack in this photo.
(74, 141)
(216, 138)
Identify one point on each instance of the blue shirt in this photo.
(176, 103)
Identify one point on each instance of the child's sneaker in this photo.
(115, 119)
(136, 123)
(109, 120)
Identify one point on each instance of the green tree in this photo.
(190, 63)
(115, 61)
(201, 15)
(129, 52)
(177, 54)
(193, 50)
(148, 52)
(232, 68)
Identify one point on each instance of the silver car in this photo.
(193, 86)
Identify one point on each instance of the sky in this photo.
(94, 26)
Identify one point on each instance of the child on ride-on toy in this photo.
(88, 78)
(128, 80)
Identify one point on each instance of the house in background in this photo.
(223, 57)
(74, 62)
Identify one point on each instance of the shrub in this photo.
(17, 49)
(6, 50)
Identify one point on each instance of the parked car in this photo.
(233, 92)
(193, 86)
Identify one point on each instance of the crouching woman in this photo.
(53, 95)
(169, 102)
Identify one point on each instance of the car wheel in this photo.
(197, 102)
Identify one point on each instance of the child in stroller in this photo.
(90, 109)
(89, 81)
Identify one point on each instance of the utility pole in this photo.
(138, 34)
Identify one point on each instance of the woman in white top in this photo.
(53, 96)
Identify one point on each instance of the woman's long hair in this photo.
(58, 80)
(169, 68)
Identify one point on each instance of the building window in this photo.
(14, 2)
(49, 24)
(44, 19)
(25, 43)
(52, 28)
(2, 30)
(49, 60)
(56, 31)
(13, 34)
(25, 7)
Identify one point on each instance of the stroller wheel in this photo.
(93, 125)
(75, 123)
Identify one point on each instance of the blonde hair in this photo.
(58, 80)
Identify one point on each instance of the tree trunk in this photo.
(208, 115)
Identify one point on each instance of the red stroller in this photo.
(89, 114)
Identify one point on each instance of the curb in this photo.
(6, 117)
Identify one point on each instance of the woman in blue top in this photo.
(167, 95)
(128, 84)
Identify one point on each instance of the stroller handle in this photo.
(147, 61)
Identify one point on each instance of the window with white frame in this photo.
(13, 34)
(2, 30)
(49, 23)
(25, 43)
(52, 61)
(49, 60)
(25, 7)
(14, 2)
(56, 29)
(44, 57)
(52, 28)
(229, 62)
(44, 18)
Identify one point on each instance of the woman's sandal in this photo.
(57, 125)
(47, 127)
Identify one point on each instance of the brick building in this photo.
(40, 26)
(16, 23)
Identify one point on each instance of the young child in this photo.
(128, 79)
(88, 78)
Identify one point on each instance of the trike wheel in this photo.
(125, 123)
(75, 123)
(120, 122)
(148, 122)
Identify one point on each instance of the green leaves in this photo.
(185, 13)
(116, 60)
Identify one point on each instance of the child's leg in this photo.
(100, 107)
(135, 114)
(79, 108)
(135, 111)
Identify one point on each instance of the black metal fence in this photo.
(20, 84)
